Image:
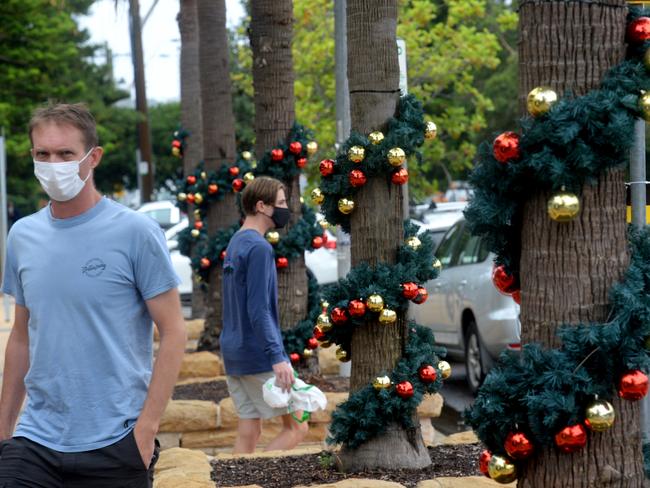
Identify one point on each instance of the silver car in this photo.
(465, 311)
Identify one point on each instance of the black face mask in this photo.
(280, 216)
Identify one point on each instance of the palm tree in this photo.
(376, 223)
(218, 129)
(567, 269)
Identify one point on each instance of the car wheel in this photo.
(473, 359)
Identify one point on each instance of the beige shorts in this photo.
(246, 394)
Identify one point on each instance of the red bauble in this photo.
(357, 178)
(506, 147)
(295, 147)
(191, 179)
(176, 143)
(198, 224)
(505, 283)
(639, 30)
(282, 262)
(356, 308)
(213, 188)
(404, 389)
(409, 290)
(318, 333)
(427, 373)
(518, 445)
(312, 343)
(326, 167)
(516, 296)
(572, 438)
(422, 295)
(205, 263)
(237, 185)
(317, 242)
(295, 357)
(483, 461)
(633, 385)
(277, 154)
(190, 198)
(222, 255)
(339, 316)
(400, 176)
(233, 170)
(301, 162)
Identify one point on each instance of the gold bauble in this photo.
(540, 100)
(644, 105)
(324, 223)
(197, 214)
(396, 156)
(204, 175)
(176, 152)
(599, 415)
(381, 383)
(246, 155)
(563, 207)
(430, 130)
(356, 154)
(312, 147)
(195, 233)
(307, 353)
(302, 200)
(248, 177)
(198, 198)
(445, 369)
(346, 205)
(437, 265)
(387, 317)
(376, 137)
(181, 197)
(324, 344)
(414, 243)
(273, 237)
(375, 303)
(324, 322)
(342, 355)
(501, 469)
(325, 304)
(317, 196)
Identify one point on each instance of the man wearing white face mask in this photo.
(88, 276)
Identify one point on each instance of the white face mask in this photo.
(61, 181)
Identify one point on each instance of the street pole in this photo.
(3, 221)
(144, 135)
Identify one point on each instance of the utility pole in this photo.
(145, 167)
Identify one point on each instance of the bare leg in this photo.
(292, 433)
(248, 433)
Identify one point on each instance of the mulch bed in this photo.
(285, 472)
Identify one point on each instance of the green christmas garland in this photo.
(406, 133)
(540, 392)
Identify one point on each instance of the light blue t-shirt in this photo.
(84, 281)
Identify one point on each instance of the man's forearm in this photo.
(13, 383)
(163, 379)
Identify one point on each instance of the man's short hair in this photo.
(74, 114)
(261, 188)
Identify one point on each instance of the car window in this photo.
(445, 251)
(483, 251)
(468, 248)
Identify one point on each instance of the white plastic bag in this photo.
(301, 396)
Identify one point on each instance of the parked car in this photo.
(465, 311)
(321, 262)
(437, 221)
(165, 212)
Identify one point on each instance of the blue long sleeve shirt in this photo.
(251, 341)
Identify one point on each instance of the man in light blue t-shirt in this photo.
(88, 276)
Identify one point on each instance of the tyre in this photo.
(474, 359)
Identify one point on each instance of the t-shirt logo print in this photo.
(93, 268)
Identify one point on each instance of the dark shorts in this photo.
(26, 464)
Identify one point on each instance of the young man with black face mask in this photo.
(251, 341)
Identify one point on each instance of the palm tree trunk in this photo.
(218, 141)
(271, 32)
(191, 107)
(568, 268)
(376, 223)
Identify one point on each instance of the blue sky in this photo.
(161, 41)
